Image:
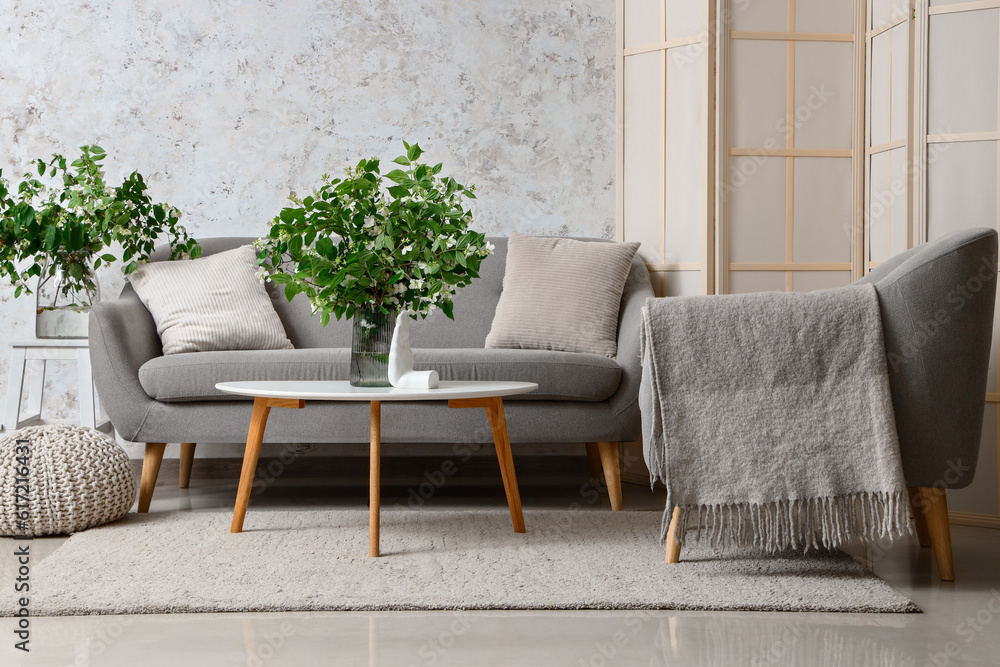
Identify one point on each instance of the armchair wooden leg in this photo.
(187, 457)
(923, 537)
(612, 473)
(673, 546)
(934, 503)
(150, 469)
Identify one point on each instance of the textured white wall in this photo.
(227, 106)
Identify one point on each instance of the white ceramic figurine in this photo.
(401, 373)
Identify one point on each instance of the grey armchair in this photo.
(937, 304)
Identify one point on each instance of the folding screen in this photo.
(889, 228)
(666, 199)
(790, 103)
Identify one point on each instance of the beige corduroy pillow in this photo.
(210, 303)
(561, 294)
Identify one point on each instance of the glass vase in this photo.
(62, 302)
(370, 348)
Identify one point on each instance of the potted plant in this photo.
(58, 232)
(364, 248)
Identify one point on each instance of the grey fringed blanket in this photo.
(768, 417)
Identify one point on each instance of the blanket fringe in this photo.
(806, 524)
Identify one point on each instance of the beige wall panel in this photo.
(962, 98)
(756, 209)
(686, 18)
(684, 283)
(744, 282)
(961, 187)
(822, 212)
(757, 15)
(643, 147)
(880, 199)
(824, 92)
(757, 87)
(880, 89)
(643, 22)
(885, 10)
(898, 201)
(824, 15)
(809, 281)
(687, 139)
(981, 496)
(899, 82)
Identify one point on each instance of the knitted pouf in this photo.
(77, 478)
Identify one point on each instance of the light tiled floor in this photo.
(960, 624)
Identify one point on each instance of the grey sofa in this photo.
(159, 399)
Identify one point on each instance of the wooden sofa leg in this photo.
(612, 474)
(594, 461)
(923, 537)
(935, 506)
(187, 457)
(150, 469)
(673, 546)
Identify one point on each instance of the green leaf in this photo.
(413, 152)
(41, 168)
(108, 257)
(324, 246)
(448, 308)
(77, 237)
(399, 176)
(281, 278)
(51, 238)
(402, 159)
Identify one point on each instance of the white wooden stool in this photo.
(45, 350)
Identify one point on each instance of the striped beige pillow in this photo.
(210, 303)
(561, 294)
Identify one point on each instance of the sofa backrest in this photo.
(475, 305)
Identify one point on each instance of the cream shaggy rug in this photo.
(288, 561)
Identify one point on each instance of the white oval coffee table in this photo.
(294, 394)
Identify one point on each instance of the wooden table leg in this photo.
(498, 422)
(258, 420)
(374, 475)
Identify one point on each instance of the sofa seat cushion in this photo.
(568, 376)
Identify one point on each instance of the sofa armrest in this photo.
(624, 402)
(122, 338)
